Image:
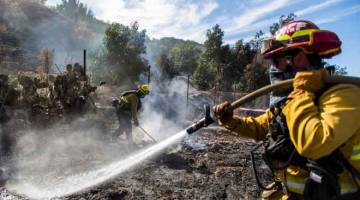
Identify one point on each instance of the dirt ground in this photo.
(208, 165)
(213, 165)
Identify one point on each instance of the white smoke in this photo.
(165, 109)
(46, 157)
(45, 160)
(63, 158)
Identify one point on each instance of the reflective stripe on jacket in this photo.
(315, 130)
(355, 156)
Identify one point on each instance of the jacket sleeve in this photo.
(317, 131)
(249, 127)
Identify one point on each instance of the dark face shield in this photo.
(284, 60)
(276, 76)
(140, 94)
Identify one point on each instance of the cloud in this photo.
(333, 18)
(255, 13)
(267, 22)
(189, 19)
(185, 19)
(161, 18)
(256, 26)
(314, 8)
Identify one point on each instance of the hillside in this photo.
(33, 26)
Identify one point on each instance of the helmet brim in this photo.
(324, 43)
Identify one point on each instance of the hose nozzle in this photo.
(204, 122)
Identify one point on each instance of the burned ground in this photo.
(209, 165)
(213, 165)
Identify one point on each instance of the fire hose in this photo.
(147, 133)
(209, 119)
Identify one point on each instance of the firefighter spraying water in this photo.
(303, 131)
(63, 138)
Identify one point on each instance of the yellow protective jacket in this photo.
(132, 102)
(315, 130)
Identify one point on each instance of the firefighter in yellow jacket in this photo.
(127, 107)
(312, 132)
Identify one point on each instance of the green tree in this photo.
(79, 15)
(155, 47)
(184, 56)
(98, 66)
(236, 60)
(75, 9)
(244, 53)
(212, 60)
(121, 55)
(255, 43)
(205, 73)
(337, 69)
(340, 70)
(213, 43)
(255, 75)
(282, 20)
(166, 67)
(219, 61)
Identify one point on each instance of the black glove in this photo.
(223, 112)
(115, 102)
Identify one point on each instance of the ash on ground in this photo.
(212, 164)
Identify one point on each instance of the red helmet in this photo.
(303, 35)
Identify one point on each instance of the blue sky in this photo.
(189, 19)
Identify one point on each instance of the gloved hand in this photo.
(136, 122)
(115, 102)
(82, 98)
(308, 81)
(223, 112)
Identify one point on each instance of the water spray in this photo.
(209, 118)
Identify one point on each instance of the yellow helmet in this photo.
(144, 89)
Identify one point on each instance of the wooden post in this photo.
(187, 91)
(84, 62)
(149, 73)
(187, 96)
(234, 86)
